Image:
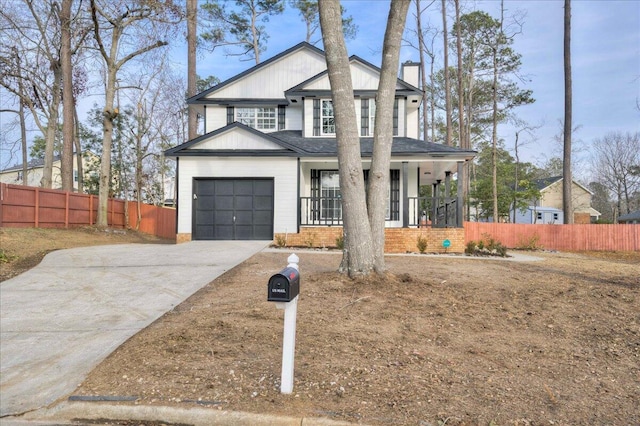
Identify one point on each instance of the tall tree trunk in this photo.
(462, 140)
(78, 148)
(447, 82)
(383, 132)
(52, 127)
(192, 11)
(108, 115)
(23, 142)
(67, 97)
(358, 255)
(494, 136)
(567, 205)
(423, 74)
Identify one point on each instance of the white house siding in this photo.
(216, 118)
(282, 170)
(275, 78)
(293, 117)
(237, 139)
(412, 117)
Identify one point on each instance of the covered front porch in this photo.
(421, 193)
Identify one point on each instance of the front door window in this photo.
(331, 205)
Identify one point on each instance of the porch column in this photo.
(436, 201)
(447, 184)
(298, 209)
(459, 206)
(405, 194)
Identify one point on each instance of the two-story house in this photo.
(547, 209)
(35, 170)
(267, 164)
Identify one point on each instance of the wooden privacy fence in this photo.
(619, 237)
(26, 206)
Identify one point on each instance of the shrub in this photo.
(471, 248)
(486, 246)
(281, 240)
(310, 240)
(340, 242)
(532, 242)
(422, 244)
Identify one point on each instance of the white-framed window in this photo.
(330, 196)
(328, 121)
(372, 115)
(75, 175)
(261, 118)
(331, 204)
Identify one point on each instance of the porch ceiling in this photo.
(431, 170)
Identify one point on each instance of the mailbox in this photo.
(284, 286)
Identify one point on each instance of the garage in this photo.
(233, 209)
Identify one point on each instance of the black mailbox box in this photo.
(284, 286)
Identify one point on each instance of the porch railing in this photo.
(437, 212)
(323, 211)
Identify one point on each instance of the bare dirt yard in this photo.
(450, 340)
(439, 340)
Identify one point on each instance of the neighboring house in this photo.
(633, 217)
(548, 208)
(267, 163)
(540, 215)
(14, 175)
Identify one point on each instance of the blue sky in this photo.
(605, 61)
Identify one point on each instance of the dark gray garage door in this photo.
(233, 209)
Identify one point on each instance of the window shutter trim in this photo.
(230, 114)
(316, 117)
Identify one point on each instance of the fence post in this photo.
(66, 210)
(36, 218)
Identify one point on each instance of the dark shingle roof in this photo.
(329, 147)
(545, 182)
(630, 216)
(31, 164)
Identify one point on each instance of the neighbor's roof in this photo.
(31, 164)
(630, 216)
(547, 182)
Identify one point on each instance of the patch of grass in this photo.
(6, 257)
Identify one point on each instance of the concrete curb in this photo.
(69, 411)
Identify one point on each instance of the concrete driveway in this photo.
(62, 318)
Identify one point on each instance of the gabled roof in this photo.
(201, 97)
(630, 216)
(544, 183)
(185, 148)
(300, 88)
(293, 144)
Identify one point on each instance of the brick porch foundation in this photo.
(397, 240)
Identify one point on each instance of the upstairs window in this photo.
(367, 116)
(260, 118)
(327, 118)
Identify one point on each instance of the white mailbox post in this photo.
(284, 289)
